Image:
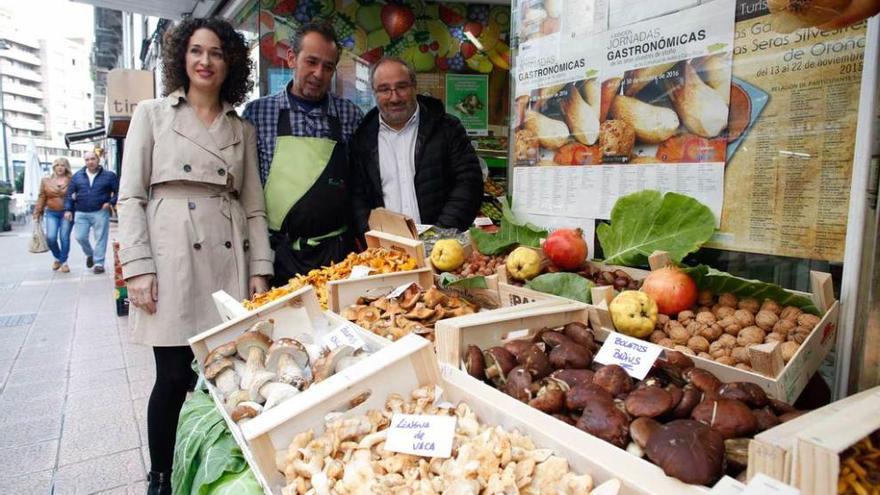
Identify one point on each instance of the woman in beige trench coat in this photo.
(192, 218)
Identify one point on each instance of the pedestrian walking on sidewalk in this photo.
(90, 197)
(192, 219)
(50, 207)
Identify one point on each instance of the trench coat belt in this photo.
(229, 199)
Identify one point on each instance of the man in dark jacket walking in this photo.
(411, 157)
(90, 196)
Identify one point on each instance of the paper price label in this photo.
(421, 228)
(483, 221)
(344, 335)
(400, 290)
(424, 435)
(359, 271)
(762, 484)
(727, 486)
(634, 355)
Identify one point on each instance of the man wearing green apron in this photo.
(302, 144)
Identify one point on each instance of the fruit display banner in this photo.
(644, 106)
(467, 97)
(435, 38)
(794, 112)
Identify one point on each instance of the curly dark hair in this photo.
(238, 81)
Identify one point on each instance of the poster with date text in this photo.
(794, 109)
(643, 106)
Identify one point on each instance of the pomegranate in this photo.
(566, 248)
(673, 290)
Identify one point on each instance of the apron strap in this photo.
(283, 124)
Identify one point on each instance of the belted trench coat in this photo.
(191, 210)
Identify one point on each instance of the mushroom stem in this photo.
(276, 393)
(227, 381)
(290, 372)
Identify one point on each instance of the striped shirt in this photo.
(263, 113)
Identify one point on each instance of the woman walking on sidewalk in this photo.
(192, 218)
(50, 206)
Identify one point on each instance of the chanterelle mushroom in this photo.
(252, 347)
(288, 359)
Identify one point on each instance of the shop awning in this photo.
(166, 9)
(93, 134)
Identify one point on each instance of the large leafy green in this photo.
(719, 282)
(243, 483)
(206, 456)
(512, 233)
(647, 221)
(569, 285)
(449, 280)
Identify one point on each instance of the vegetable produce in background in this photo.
(648, 221)
(672, 290)
(511, 233)
(633, 313)
(563, 284)
(479, 264)
(566, 248)
(719, 282)
(447, 255)
(524, 263)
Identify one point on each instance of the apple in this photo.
(450, 16)
(468, 49)
(397, 19)
(475, 28)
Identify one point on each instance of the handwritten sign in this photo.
(483, 221)
(727, 486)
(400, 290)
(761, 484)
(359, 271)
(421, 228)
(634, 355)
(344, 335)
(424, 435)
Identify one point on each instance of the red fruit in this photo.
(373, 55)
(285, 7)
(468, 49)
(396, 19)
(672, 289)
(434, 46)
(475, 28)
(442, 63)
(423, 48)
(566, 248)
(450, 16)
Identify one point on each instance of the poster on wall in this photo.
(644, 106)
(794, 109)
(467, 98)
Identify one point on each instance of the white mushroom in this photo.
(288, 358)
(246, 411)
(276, 393)
(260, 378)
(222, 374)
(252, 347)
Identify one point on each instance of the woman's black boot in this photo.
(159, 483)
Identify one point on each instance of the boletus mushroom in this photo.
(641, 429)
(749, 393)
(603, 419)
(614, 379)
(730, 417)
(703, 380)
(648, 402)
(573, 377)
(550, 397)
(499, 362)
(569, 355)
(288, 359)
(535, 360)
(578, 397)
(553, 338)
(474, 362)
(688, 450)
(690, 397)
(581, 335)
(518, 384)
(222, 373)
(765, 419)
(252, 347)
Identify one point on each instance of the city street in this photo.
(73, 390)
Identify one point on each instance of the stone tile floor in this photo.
(73, 389)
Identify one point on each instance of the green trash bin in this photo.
(4, 213)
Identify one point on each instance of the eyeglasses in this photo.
(400, 89)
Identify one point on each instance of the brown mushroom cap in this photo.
(569, 355)
(224, 351)
(749, 393)
(475, 364)
(245, 410)
(573, 377)
(603, 419)
(765, 419)
(499, 362)
(247, 340)
(688, 450)
(648, 402)
(291, 347)
(691, 396)
(614, 379)
(550, 397)
(781, 408)
(730, 417)
(265, 327)
(553, 338)
(217, 367)
(581, 334)
(518, 383)
(518, 346)
(703, 380)
(641, 429)
(580, 396)
(535, 360)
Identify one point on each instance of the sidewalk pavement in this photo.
(73, 389)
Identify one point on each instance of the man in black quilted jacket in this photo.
(411, 157)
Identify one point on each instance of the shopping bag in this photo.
(38, 239)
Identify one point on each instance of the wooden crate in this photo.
(414, 248)
(771, 451)
(297, 315)
(453, 336)
(816, 457)
(792, 377)
(486, 298)
(343, 293)
(410, 363)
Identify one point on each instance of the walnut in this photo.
(797, 337)
(772, 306)
(807, 320)
(717, 349)
(712, 332)
(766, 319)
(685, 350)
(667, 343)
(744, 318)
(700, 309)
(695, 327)
(705, 355)
(727, 340)
(743, 366)
(750, 304)
(657, 336)
(705, 298)
(788, 350)
(706, 317)
(733, 329)
(740, 355)
(698, 344)
(727, 299)
(729, 361)
(678, 334)
(774, 337)
(790, 313)
(784, 326)
(662, 321)
(751, 335)
(685, 316)
(722, 312)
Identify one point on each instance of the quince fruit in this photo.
(447, 255)
(524, 263)
(633, 313)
